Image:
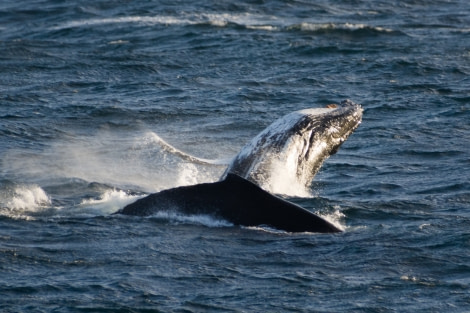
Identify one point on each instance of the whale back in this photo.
(233, 199)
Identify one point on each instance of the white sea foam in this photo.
(283, 180)
(29, 198)
(109, 202)
(248, 20)
(336, 218)
(165, 20)
(420, 281)
(24, 200)
(263, 27)
(218, 20)
(308, 26)
(424, 226)
(409, 278)
(118, 42)
(267, 229)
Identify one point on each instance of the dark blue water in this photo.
(86, 86)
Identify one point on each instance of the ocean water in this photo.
(88, 89)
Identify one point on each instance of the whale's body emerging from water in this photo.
(292, 148)
(236, 200)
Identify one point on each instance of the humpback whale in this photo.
(236, 200)
(296, 144)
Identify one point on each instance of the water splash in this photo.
(137, 162)
(109, 202)
(336, 218)
(24, 201)
(283, 180)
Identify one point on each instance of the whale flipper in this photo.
(236, 200)
(185, 156)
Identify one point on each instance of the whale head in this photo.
(292, 149)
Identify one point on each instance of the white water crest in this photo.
(109, 202)
(214, 19)
(307, 26)
(248, 20)
(336, 218)
(23, 201)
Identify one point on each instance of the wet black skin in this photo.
(236, 200)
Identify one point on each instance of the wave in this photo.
(339, 27)
(214, 19)
(107, 203)
(246, 20)
(23, 201)
(31, 202)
